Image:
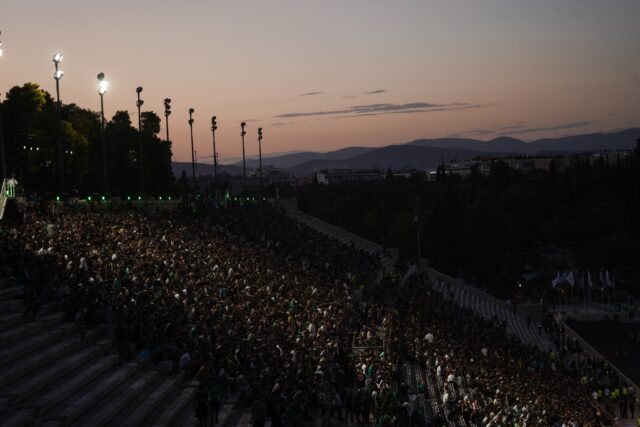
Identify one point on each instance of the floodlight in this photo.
(103, 86)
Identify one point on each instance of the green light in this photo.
(139, 197)
(103, 198)
(128, 197)
(89, 198)
(57, 198)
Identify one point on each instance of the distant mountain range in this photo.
(427, 153)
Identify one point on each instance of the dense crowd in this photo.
(244, 297)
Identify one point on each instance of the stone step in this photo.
(9, 293)
(8, 282)
(109, 408)
(31, 343)
(24, 366)
(245, 419)
(19, 332)
(175, 407)
(19, 418)
(53, 396)
(149, 404)
(96, 392)
(38, 380)
(13, 305)
(226, 410)
(49, 315)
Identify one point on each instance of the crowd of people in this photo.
(299, 324)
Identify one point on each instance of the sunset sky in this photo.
(321, 75)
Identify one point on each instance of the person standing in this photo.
(258, 412)
(202, 405)
(12, 185)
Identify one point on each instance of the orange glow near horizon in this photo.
(319, 76)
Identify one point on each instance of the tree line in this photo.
(505, 228)
(30, 124)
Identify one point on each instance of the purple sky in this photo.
(328, 74)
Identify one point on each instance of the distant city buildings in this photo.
(523, 163)
(526, 163)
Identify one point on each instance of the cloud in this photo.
(518, 125)
(375, 92)
(571, 125)
(312, 93)
(282, 124)
(472, 132)
(349, 96)
(372, 109)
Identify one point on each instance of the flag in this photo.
(571, 279)
(608, 280)
(555, 281)
(563, 278)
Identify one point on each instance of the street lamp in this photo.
(214, 126)
(260, 153)
(139, 104)
(167, 113)
(57, 75)
(193, 160)
(103, 85)
(244, 164)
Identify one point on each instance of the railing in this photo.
(595, 353)
(3, 197)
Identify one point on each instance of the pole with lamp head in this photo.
(139, 105)
(103, 85)
(57, 75)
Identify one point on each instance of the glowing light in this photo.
(58, 74)
(103, 86)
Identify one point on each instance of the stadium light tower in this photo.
(214, 127)
(193, 159)
(244, 163)
(103, 85)
(139, 104)
(167, 113)
(57, 75)
(260, 153)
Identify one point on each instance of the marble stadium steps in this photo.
(341, 235)
(516, 324)
(50, 376)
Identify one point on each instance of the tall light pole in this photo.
(139, 104)
(2, 153)
(167, 113)
(57, 75)
(103, 85)
(260, 154)
(214, 126)
(244, 163)
(193, 159)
